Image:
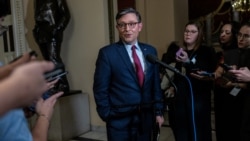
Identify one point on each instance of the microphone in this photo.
(153, 59)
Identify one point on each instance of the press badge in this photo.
(193, 60)
(235, 91)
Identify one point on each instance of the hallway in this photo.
(166, 134)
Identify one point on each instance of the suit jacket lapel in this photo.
(125, 57)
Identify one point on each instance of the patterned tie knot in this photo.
(133, 47)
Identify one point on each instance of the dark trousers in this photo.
(181, 121)
(245, 125)
(130, 128)
(228, 113)
(232, 115)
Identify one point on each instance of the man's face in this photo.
(244, 37)
(129, 28)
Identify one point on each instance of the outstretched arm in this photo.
(44, 109)
(24, 85)
(7, 69)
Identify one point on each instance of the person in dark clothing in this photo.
(51, 18)
(166, 74)
(235, 103)
(169, 56)
(192, 120)
(228, 41)
(227, 38)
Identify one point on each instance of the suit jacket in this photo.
(116, 88)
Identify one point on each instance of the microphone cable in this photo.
(154, 59)
(192, 107)
(192, 101)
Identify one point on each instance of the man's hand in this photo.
(28, 81)
(160, 120)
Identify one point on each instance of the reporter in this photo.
(234, 95)
(19, 130)
(7, 69)
(26, 82)
(194, 56)
(44, 110)
(23, 86)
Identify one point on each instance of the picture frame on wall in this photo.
(111, 20)
(12, 39)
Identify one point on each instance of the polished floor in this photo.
(97, 136)
(166, 134)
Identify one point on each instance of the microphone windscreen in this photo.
(151, 58)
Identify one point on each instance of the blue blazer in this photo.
(116, 88)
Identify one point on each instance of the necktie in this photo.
(138, 66)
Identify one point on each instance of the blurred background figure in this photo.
(234, 104)
(227, 38)
(193, 58)
(167, 75)
(228, 41)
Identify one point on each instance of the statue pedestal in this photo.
(70, 118)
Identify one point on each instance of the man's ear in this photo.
(140, 25)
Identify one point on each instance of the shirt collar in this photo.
(128, 46)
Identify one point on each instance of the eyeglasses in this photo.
(124, 25)
(244, 36)
(190, 31)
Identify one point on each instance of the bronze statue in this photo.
(51, 18)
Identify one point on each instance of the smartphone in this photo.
(195, 69)
(226, 67)
(52, 78)
(56, 73)
(45, 96)
(156, 132)
(208, 74)
(179, 52)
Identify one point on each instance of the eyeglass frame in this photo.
(190, 31)
(124, 25)
(243, 36)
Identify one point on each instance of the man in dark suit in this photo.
(126, 85)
